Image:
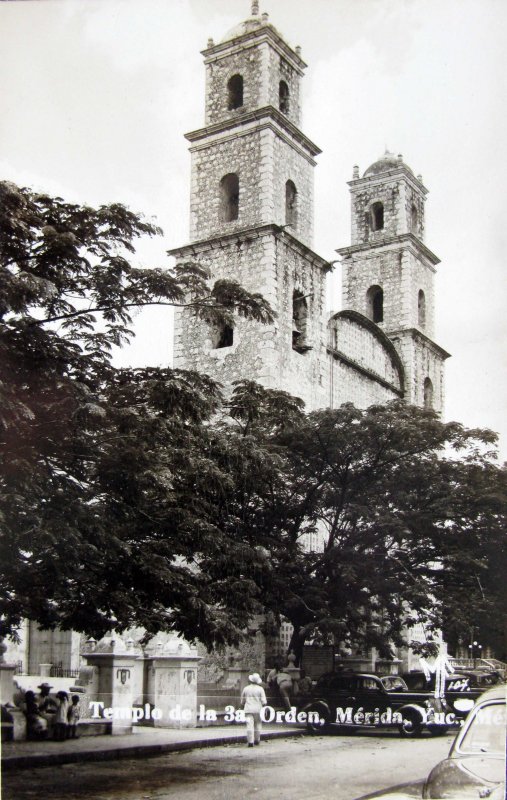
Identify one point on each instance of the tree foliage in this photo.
(144, 498)
(403, 514)
(113, 482)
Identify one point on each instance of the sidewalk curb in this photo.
(135, 751)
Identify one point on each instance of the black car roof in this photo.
(350, 674)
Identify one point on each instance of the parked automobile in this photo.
(360, 700)
(460, 692)
(482, 678)
(416, 679)
(475, 766)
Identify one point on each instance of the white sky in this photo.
(97, 94)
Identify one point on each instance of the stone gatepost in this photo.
(115, 682)
(171, 684)
(7, 687)
(235, 675)
(12, 718)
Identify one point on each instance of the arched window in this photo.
(377, 216)
(290, 204)
(421, 308)
(283, 97)
(375, 303)
(428, 393)
(414, 218)
(223, 336)
(299, 322)
(229, 197)
(235, 92)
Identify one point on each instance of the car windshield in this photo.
(486, 731)
(393, 683)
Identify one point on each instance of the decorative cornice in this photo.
(381, 177)
(387, 242)
(266, 112)
(265, 33)
(415, 333)
(250, 234)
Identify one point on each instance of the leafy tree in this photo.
(408, 511)
(142, 498)
(113, 483)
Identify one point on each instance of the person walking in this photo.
(254, 699)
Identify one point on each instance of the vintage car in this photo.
(342, 700)
(475, 766)
(460, 691)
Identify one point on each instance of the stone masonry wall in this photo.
(241, 155)
(400, 274)
(289, 165)
(421, 361)
(362, 347)
(350, 386)
(263, 163)
(397, 197)
(279, 69)
(262, 352)
(305, 375)
(246, 61)
(262, 68)
(252, 354)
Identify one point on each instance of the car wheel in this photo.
(411, 725)
(322, 725)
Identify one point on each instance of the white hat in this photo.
(255, 678)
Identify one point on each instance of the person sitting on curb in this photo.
(253, 698)
(36, 725)
(45, 701)
(47, 706)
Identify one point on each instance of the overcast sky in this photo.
(97, 94)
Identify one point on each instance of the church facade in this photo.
(251, 220)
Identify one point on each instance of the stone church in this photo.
(252, 212)
(251, 220)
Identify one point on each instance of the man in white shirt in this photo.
(253, 698)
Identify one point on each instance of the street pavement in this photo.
(142, 742)
(288, 768)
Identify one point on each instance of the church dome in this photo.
(249, 25)
(387, 162)
(253, 23)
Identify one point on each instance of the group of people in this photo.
(254, 699)
(47, 715)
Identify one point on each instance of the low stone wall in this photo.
(213, 698)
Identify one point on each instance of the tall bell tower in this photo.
(251, 216)
(388, 272)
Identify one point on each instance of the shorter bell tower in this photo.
(388, 272)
